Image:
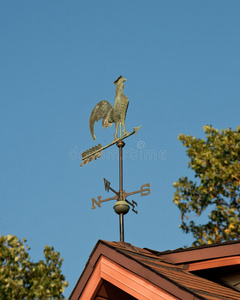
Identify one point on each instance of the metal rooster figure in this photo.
(109, 115)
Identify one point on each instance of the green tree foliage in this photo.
(20, 278)
(216, 163)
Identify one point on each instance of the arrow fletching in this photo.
(91, 154)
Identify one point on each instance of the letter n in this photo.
(94, 201)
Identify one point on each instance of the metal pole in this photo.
(121, 220)
(120, 145)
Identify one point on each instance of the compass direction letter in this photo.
(145, 191)
(97, 202)
(106, 184)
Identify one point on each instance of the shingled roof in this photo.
(177, 274)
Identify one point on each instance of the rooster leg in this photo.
(124, 128)
(116, 130)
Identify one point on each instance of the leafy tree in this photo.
(216, 163)
(21, 278)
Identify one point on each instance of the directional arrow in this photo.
(96, 152)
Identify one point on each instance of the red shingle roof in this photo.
(200, 287)
(166, 270)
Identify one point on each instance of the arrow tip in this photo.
(136, 129)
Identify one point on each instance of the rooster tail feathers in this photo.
(100, 111)
(91, 126)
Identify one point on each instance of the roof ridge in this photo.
(125, 245)
(217, 244)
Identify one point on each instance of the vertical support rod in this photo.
(121, 221)
(120, 145)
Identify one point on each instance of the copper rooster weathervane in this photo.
(109, 115)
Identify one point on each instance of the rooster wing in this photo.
(101, 111)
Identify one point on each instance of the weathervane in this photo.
(109, 115)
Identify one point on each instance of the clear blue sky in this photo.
(58, 59)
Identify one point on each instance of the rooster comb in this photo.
(116, 81)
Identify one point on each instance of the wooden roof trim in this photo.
(102, 248)
(125, 280)
(90, 290)
(215, 263)
(89, 267)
